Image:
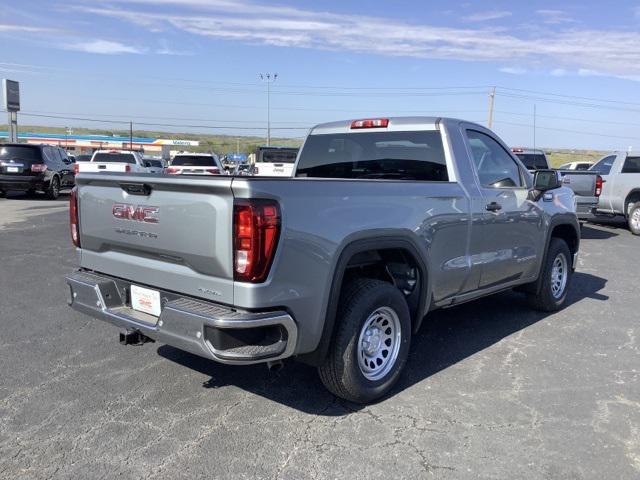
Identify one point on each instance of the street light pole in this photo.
(268, 78)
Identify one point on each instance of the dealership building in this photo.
(89, 143)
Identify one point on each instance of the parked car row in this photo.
(609, 187)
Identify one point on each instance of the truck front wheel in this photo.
(634, 218)
(371, 342)
(556, 277)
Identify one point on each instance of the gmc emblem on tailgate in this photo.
(138, 213)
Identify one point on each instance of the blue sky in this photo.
(195, 64)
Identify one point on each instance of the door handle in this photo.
(493, 207)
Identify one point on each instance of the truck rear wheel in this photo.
(634, 218)
(556, 277)
(371, 342)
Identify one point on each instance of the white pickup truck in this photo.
(114, 161)
(274, 161)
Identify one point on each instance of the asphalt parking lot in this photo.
(492, 389)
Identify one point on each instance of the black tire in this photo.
(3, 193)
(550, 298)
(341, 373)
(634, 218)
(53, 190)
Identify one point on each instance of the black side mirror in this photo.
(544, 180)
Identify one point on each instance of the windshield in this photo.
(533, 161)
(83, 158)
(277, 156)
(114, 158)
(154, 163)
(375, 155)
(20, 153)
(194, 161)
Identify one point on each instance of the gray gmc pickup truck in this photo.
(383, 221)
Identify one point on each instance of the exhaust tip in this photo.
(275, 366)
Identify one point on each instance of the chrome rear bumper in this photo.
(200, 327)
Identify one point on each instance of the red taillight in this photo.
(598, 185)
(256, 229)
(73, 217)
(38, 168)
(76, 168)
(213, 171)
(127, 168)
(370, 123)
(171, 170)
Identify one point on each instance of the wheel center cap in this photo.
(371, 342)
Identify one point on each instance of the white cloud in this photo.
(5, 27)
(613, 52)
(559, 72)
(486, 16)
(513, 70)
(104, 47)
(555, 17)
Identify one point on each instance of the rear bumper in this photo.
(585, 207)
(22, 182)
(200, 327)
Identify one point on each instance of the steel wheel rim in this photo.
(379, 343)
(559, 275)
(635, 219)
(55, 186)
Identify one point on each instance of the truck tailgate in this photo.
(92, 167)
(173, 233)
(583, 183)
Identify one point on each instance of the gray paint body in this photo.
(468, 251)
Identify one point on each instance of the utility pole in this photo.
(492, 97)
(130, 135)
(67, 132)
(534, 126)
(268, 78)
(237, 146)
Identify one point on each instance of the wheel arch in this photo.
(565, 227)
(354, 248)
(632, 197)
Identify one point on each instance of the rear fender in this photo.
(374, 240)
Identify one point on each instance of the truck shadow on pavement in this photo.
(446, 338)
(590, 233)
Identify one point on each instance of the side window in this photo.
(495, 167)
(48, 156)
(63, 155)
(603, 167)
(631, 165)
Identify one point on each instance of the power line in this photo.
(574, 119)
(123, 122)
(595, 134)
(568, 102)
(602, 100)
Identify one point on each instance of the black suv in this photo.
(35, 167)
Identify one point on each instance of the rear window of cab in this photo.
(412, 155)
